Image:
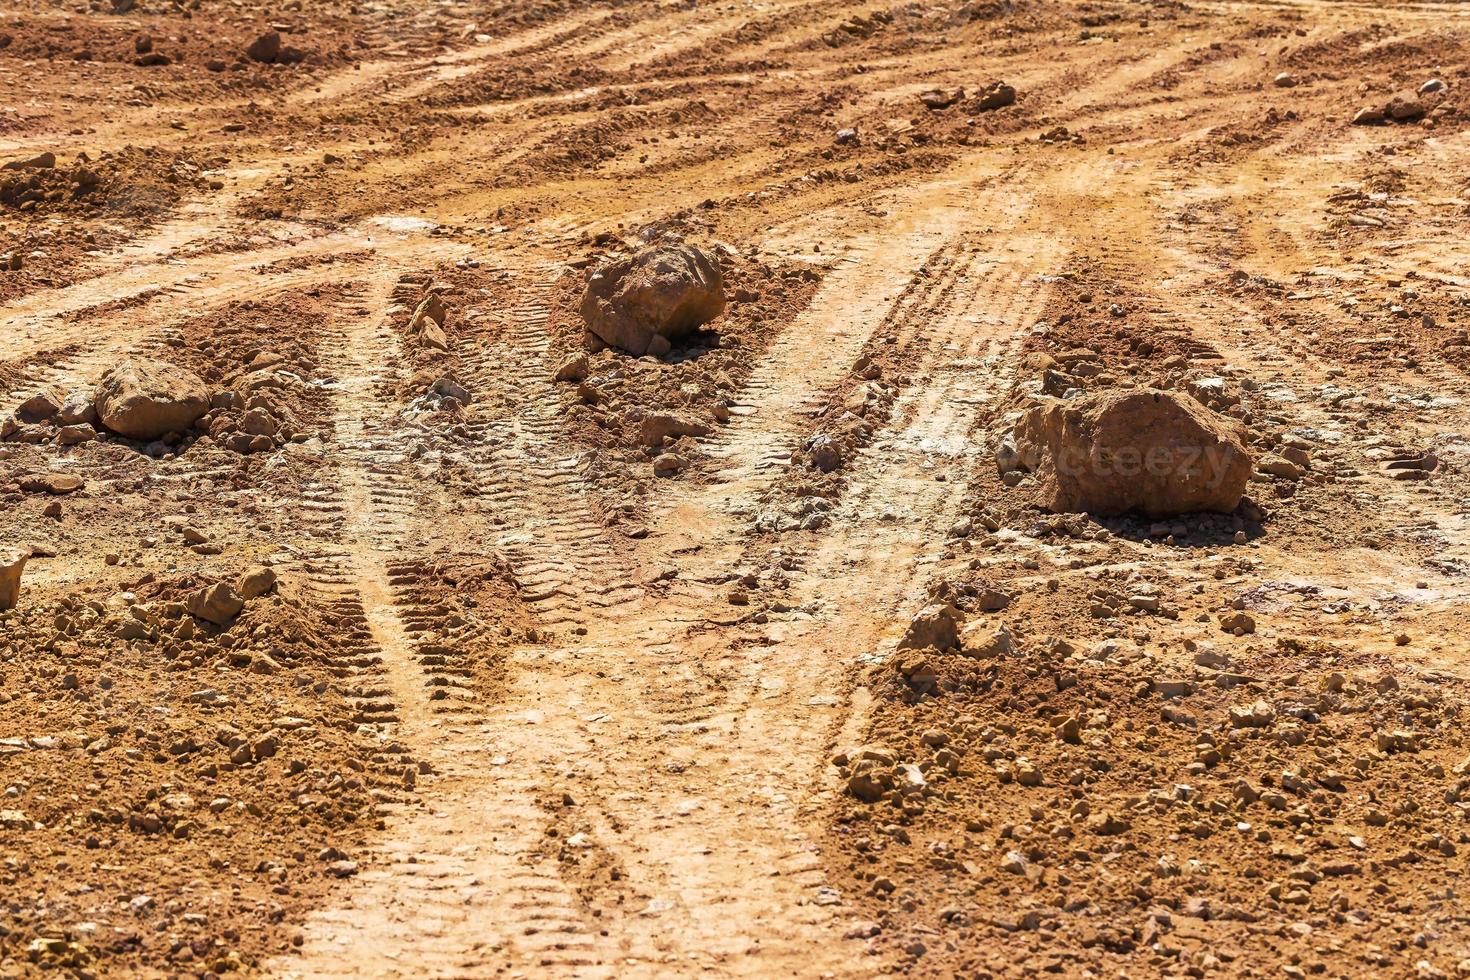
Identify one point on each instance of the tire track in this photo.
(568, 570)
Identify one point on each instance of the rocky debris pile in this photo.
(221, 602)
(669, 438)
(996, 95)
(422, 299)
(138, 398)
(1060, 135)
(1110, 452)
(135, 180)
(25, 184)
(182, 614)
(1406, 106)
(443, 393)
(192, 758)
(253, 413)
(644, 302)
(48, 414)
(160, 403)
(617, 402)
(1122, 799)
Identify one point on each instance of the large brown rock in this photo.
(219, 604)
(1145, 450)
(665, 291)
(12, 564)
(266, 48)
(149, 399)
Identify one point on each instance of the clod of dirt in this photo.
(574, 368)
(936, 626)
(997, 95)
(662, 425)
(1404, 106)
(12, 564)
(150, 399)
(268, 49)
(1145, 450)
(664, 292)
(937, 98)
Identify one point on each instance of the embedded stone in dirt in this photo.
(667, 464)
(150, 399)
(12, 563)
(266, 48)
(218, 604)
(427, 322)
(659, 425)
(52, 483)
(41, 161)
(938, 98)
(256, 582)
(79, 407)
(1404, 107)
(666, 291)
(1145, 450)
(269, 49)
(39, 406)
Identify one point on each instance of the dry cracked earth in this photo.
(444, 645)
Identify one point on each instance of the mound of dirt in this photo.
(1158, 452)
(171, 770)
(662, 293)
(1067, 807)
(135, 181)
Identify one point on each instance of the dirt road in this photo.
(522, 701)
